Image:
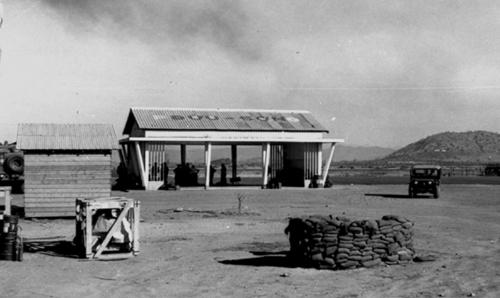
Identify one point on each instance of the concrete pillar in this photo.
(266, 150)
(140, 163)
(208, 159)
(327, 166)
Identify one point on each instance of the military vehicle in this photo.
(11, 167)
(425, 179)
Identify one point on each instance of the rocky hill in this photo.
(471, 146)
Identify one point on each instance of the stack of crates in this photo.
(107, 228)
(5, 194)
(10, 240)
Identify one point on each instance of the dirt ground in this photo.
(209, 250)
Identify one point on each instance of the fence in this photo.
(464, 171)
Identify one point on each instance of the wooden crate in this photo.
(5, 192)
(96, 229)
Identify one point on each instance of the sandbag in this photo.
(338, 243)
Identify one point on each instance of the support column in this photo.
(132, 163)
(183, 154)
(234, 157)
(327, 166)
(140, 162)
(320, 158)
(208, 159)
(147, 163)
(319, 148)
(266, 148)
(124, 155)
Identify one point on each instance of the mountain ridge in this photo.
(471, 146)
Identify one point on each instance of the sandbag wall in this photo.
(328, 242)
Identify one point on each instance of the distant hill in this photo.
(471, 146)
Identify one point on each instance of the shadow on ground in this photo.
(59, 248)
(264, 259)
(14, 210)
(397, 196)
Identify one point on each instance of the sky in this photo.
(375, 73)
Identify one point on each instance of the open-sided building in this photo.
(291, 142)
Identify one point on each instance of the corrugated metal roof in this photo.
(426, 167)
(52, 136)
(222, 120)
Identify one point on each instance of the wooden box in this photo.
(107, 228)
(5, 195)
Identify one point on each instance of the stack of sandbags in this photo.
(337, 243)
(314, 240)
(397, 234)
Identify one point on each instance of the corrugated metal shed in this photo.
(64, 162)
(222, 120)
(51, 136)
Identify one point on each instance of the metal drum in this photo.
(8, 238)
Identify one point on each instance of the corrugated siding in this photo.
(53, 183)
(224, 120)
(33, 136)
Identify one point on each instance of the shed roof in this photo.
(435, 167)
(222, 120)
(51, 136)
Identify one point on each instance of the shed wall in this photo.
(53, 182)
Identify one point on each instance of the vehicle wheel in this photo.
(14, 164)
(436, 192)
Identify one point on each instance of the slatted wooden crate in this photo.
(93, 241)
(5, 192)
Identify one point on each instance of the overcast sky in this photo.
(389, 72)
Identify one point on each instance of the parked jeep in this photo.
(424, 179)
(11, 162)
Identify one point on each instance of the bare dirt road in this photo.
(212, 251)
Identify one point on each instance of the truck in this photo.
(425, 179)
(11, 167)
